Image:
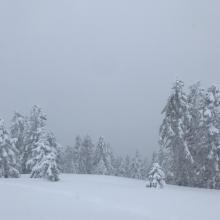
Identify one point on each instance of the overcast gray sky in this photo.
(105, 67)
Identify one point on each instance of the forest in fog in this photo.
(188, 152)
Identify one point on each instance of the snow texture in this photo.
(90, 197)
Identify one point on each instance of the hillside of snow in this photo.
(85, 197)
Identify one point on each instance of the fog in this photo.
(105, 67)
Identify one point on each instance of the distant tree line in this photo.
(30, 148)
(87, 158)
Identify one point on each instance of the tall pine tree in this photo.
(174, 133)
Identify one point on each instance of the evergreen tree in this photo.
(135, 167)
(68, 160)
(209, 151)
(60, 158)
(8, 151)
(112, 159)
(102, 158)
(87, 155)
(156, 177)
(44, 157)
(127, 167)
(144, 168)
(108, 159)
(18, 134)
(119, 168)
(36, 124)
(195, 137)
(165, 160)
(100, 168)
(78, 166)
(174, 133)
(190, 137)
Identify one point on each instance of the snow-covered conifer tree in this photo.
(87, 155)
(165, 160)
(136, 166)
(36, 124)
(195, 136)
(108, 159)
(78, 166)
(60, 158)
(119, 168)
(209, 151)
(156, 177)
(68, 162)
(144, 168)
(100, 168)
(127, 167)
(102, 158)
(8, 153)
(174, 133)
(18, 133)
(44, 158)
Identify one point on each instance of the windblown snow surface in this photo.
(85, 197)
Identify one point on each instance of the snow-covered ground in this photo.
(85, 197)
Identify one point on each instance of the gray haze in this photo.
(105, 67)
